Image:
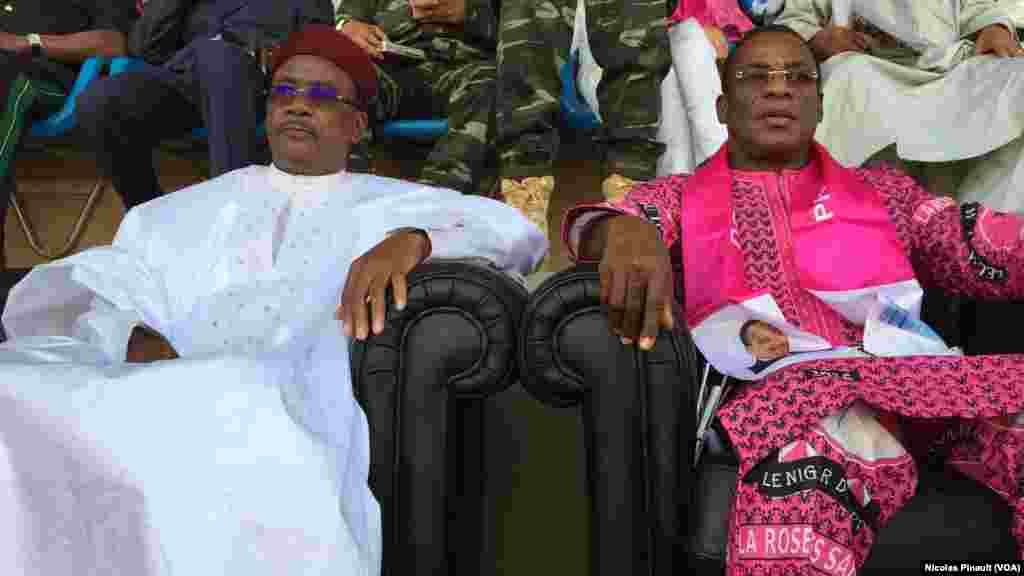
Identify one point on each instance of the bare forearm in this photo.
(80, 46)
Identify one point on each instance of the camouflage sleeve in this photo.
(482, 22)
(361, 10)
(964, 250)
(659, 201)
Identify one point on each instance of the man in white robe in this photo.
(943, 80)
(242, 451)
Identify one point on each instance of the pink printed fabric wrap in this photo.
(735, 245)
(787, 407)
(722, 14)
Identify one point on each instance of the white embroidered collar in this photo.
(304, 190)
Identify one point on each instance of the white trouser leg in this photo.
(693, 59)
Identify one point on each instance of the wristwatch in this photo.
(36, 43)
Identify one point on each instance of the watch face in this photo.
(36, 43)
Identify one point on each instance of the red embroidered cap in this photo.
(324, 41)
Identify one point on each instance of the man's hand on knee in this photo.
(450, 12)
(367, 36)
(997, 40)
(838, 39)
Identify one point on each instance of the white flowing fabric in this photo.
(689, 125)
(249, 455)
(946, 106)
(589, 74)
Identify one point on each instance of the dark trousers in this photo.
(951, 518)
(28, 92)
(126, 116)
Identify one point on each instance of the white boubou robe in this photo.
(934, 100)
(248, 455)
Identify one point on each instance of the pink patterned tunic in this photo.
(806, 502)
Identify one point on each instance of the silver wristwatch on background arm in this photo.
(35, 42)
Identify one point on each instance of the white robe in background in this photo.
(688, 125)
(936, 102)
(248, 455)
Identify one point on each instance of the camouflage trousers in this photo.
(463, 91)
(629, 41)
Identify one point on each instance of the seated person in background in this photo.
(773, 216)
(628, 41)
(42, 44)
(943, 81)
(454, 78)
(699, 35)
(204, 71)
(245, 452)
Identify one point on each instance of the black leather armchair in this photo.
(424, 383)
(652, 515)
(639, 415)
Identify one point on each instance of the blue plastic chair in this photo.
(125, 64)
(57, 125)
(575, 109)
(64, 120)
(418, 130)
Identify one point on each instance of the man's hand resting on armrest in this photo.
(146, 345)
(636, 277)
(387, 263)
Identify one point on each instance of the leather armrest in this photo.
(422, 382)
(638, 417)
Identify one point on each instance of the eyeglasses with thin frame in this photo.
(321, 95)
(800, 76)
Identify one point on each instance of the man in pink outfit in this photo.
(829, 449)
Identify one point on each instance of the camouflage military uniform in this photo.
(629, 41)
(457, 81)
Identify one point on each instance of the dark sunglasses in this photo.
(322, 95)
